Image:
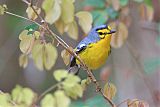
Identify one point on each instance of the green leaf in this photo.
(32, 27)
(75, 91)
(123, 2)
(67, 11)
(60, 74)
(23, 34)
(95, 3)
(148, 2)
(31, 14)
(28, 96)
(71, 80)
(61, 99)
(4, 100)
(16, 94)
(48, 101)
(85, 21)
(52, 9)
(111, 12)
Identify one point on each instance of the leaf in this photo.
(16, 94)
(72, 30)
(85, 83)
(85, 20)
(28, 96)
(32, 27)
(4, 100)
(60, 74)
(60, 25)
(137, 103)
(31, 14)
(2, 10)
(52, 9)
(116, 4)
(44, 55)
(120, 36)
(66, 56)
(95, 3)
(36, 34)
(146, 12)
(23, 60)
(37, 55)
(50, 56)
(26, 43)
(48, 101)
(71, 80)
(23, 34)
(75, 91)
(109, 90)
(123, 2)
(61, 99)
(67, 11)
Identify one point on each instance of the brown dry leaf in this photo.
(146, 12)
(120, 36)
(72, 30)
(109, 90)
(65, 56)
(60, 25)
(67, 11)
(31, 14)
(85, 20)
(137, 103)
(23, 60)
(115, 4)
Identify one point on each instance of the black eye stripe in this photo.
(100, 33)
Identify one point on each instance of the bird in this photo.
(94, 49)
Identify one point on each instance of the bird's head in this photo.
(104, 31)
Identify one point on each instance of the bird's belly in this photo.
(95, 56)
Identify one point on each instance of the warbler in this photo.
(95, 48)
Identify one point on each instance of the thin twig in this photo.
(118, 105)
(48, 90)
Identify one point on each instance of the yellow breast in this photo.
(96, 54)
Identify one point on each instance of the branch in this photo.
(66, 46)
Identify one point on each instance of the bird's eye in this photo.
(100, 33)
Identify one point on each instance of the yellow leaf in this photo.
(120, 36)
(37, 55)
(50, 56)
(48, 101)
(67, 11)
(23, 60)
(23, 34)
(66, 56)
(26, 44)
(110, 90)
(36, 34)
(137, 103)
(61, 99)
(85, 20)
(31, 14)
(115, 4)
(146, 12)
(2, 9)
(72, 30)
(60, 74)
(53, 12)
(60, 25)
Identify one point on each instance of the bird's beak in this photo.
(112, 31)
